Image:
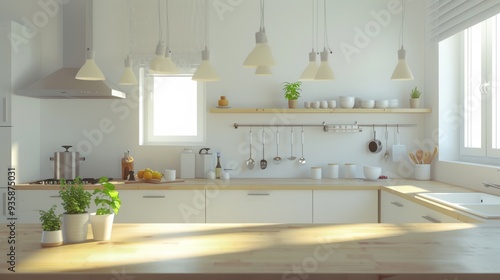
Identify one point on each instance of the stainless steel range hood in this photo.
(62, 84)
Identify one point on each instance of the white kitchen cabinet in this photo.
(345, 206)
(162, 206)
(395, 209)
(260, 206)
(30, 202)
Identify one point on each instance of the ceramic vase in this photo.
(102, 226)
(414, 102)
(75, 227)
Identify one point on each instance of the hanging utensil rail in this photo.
(348, 128)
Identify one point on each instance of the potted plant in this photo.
(108, 201)
(51, 228)
(292, 93)
(76, 201)
(415, 98)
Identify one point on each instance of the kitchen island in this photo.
(261, 251)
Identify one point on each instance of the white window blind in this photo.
(445, 18)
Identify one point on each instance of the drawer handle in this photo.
(430, 219)
(55, 196)
(153, 196)
(397, 204)
(4, 197)
(4, 105)
(258, 194)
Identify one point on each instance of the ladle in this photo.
(277, 158)
(263, 162)
(302, 160)
(250, 161)
(292, 157)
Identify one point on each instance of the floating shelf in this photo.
(318, 111)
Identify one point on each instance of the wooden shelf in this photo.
(318, 111)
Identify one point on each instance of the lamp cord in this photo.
(317, 26)
(326, 27)
(160, 28)
(262, 22)
(167, 27)
(206, 23)
(401, 32)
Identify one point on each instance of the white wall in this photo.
(364, 74)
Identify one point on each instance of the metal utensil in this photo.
(263, 162)
(375, 146)
(277, 158)
(250, 161)
(292, 157)
(302, 160)
(386, 154)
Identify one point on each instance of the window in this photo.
(172, 110)
(480, 133)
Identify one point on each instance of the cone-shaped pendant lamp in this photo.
(402, 70)
(325, 72)
(157, 60)
(89, 71)
(309, 74)
(205, 72)
(263, 70)
(128, 77)
(167, 66)
(261, 55)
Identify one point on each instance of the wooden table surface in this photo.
(260, 251)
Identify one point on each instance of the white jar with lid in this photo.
(188, 164)
(316, 173)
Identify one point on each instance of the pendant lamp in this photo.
(89, 71)
(402, 70)
(325, 72)
(128, 77)
(261, 55)
(205, 72)
(263, 70)
(309, 73)
(167, 66)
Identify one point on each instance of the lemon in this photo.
(157, 175)
(140, 174)
(148, 175)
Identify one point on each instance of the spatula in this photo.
(398, 150)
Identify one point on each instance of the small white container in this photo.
(323, 104)
(422, 171)
(170, 175)
(332, 104)
(381, 104)
(350, 170)
(315, 104)
(367, 103)
(316, 173)
(347, 102)
(333, 171)
(307, 104)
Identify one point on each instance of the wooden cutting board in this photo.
(153, 181)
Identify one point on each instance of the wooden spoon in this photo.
(420, 156)
(427, 157)
(434, 153)
(413, 158)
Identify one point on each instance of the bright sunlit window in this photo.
(481, 105)
(172, 110)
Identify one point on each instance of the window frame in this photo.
(146, 121)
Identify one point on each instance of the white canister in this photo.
(333, 171)
(204, 163)
(316, 173)
(350, 170)
(422, 171)
(170, 175)
(188, 164)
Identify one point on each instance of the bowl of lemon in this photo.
(149, 176)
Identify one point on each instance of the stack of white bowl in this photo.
(367, 103)
(347, 102)
(382, 104)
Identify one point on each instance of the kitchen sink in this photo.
(480, 204)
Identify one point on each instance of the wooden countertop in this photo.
(269, 251)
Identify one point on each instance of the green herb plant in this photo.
(50, 221)
(292, 90)
(75, 199)
(106, 199)
(415, 93)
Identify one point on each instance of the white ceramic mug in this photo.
(170, 174)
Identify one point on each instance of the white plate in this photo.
(223, 107)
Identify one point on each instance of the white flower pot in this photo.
(75, 227)
(51, 238)
(102, 226)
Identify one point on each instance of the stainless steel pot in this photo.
(375, 146)
(66, 164)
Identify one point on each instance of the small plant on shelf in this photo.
(292, 93)
(415, 93)
(107, 199)
(50, 221)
